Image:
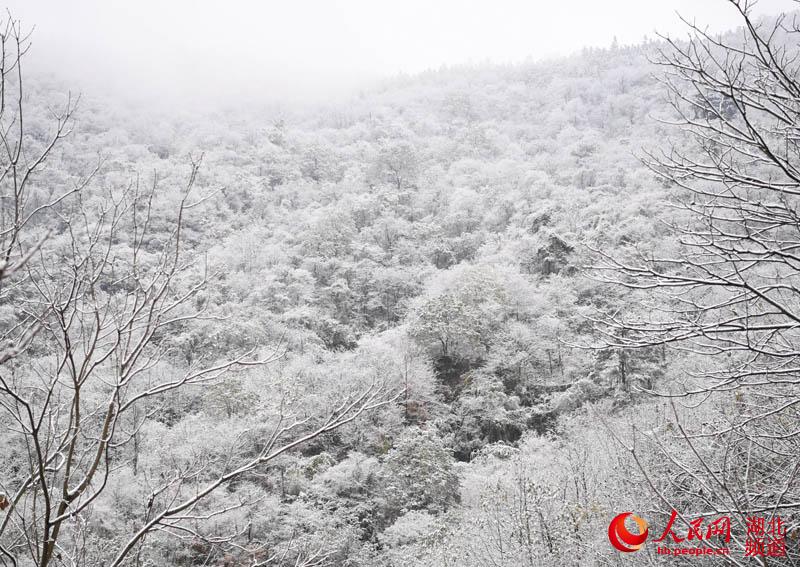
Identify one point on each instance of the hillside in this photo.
(432, 237)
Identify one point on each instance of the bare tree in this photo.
(728, 298)
(22, 158)
(96, 301)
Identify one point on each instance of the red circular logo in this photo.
(621, 538)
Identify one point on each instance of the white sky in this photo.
(200, 50)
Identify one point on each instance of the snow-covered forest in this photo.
(464, 318)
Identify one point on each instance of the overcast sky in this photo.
(197, 50)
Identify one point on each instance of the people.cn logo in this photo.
(621, 538)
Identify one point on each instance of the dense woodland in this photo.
(382, 332)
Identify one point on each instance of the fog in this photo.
(196, 52)
(334, 283)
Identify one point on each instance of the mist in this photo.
(372, 284)
(204, 52)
